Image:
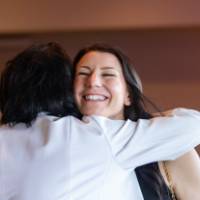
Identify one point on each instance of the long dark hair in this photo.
(137, 108)
(37, 80)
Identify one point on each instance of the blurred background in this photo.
(162, 38)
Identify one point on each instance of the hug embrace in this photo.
(80, 131)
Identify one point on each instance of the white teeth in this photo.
(95, 97)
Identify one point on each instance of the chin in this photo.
(94, 113)
(91, 112)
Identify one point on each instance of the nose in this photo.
(94, 80)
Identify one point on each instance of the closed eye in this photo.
(83, 73)
(109, 74)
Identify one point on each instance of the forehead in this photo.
(95, 59)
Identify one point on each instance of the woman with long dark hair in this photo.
(105, 83)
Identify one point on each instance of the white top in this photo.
(68, 159)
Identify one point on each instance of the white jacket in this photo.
(93, 159)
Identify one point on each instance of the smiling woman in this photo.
(104, 84)
(113, 73)
(100, 87)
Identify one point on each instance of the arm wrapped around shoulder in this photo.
(160, 138)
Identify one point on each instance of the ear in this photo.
(127, 100)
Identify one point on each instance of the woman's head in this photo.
(104, 84)
(36, 80)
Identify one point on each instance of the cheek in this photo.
(117, 88)
(77, 88)
(78, 84)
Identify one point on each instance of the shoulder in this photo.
(185, 175)
(21, 135)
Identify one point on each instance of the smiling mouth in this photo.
(94, 97)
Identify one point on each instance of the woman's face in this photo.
(99, 86)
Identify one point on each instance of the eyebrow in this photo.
(107, 67)
(86, 67)
(103, 68)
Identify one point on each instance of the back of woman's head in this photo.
(137, 108)
(36, 80)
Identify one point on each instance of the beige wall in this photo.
(60, 15)
(166, 59)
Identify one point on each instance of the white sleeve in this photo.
(160, 138)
